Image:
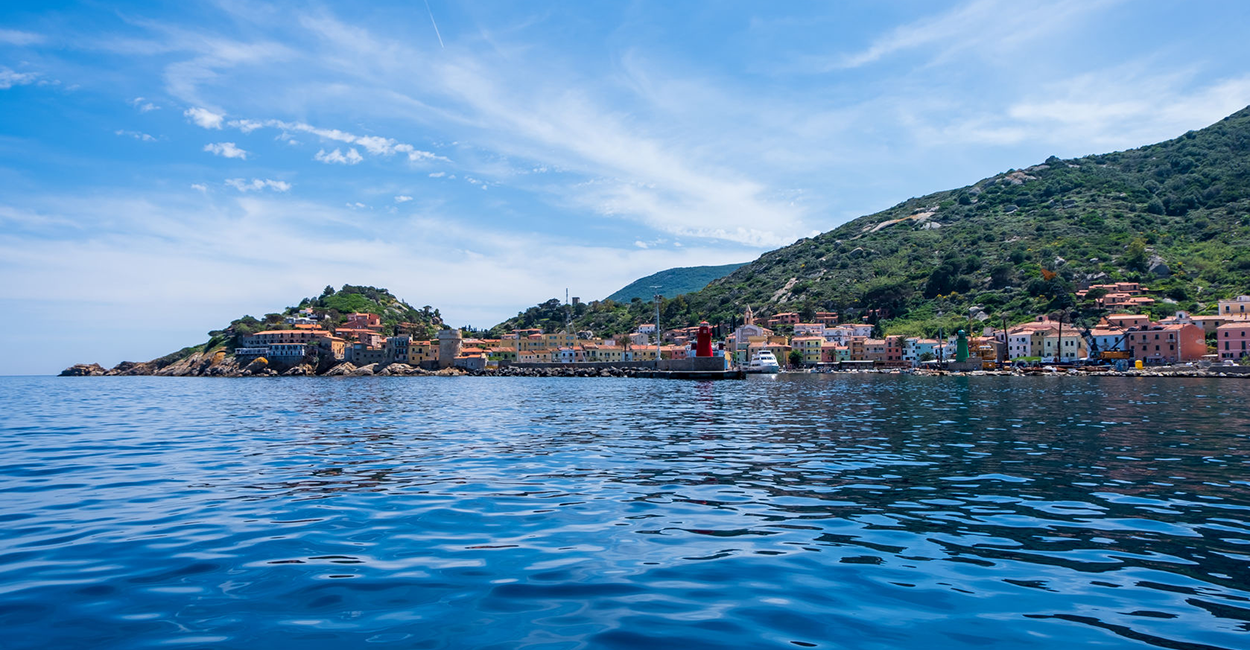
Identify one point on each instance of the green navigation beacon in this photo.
(961, 348)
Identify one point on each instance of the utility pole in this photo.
(1006, 343)
(657, 331)
(1059, 350)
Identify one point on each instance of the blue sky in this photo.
(168, 167)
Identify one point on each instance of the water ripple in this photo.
(797, 511)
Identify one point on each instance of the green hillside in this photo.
(331, 309)
(673, 282)
(1174, 216)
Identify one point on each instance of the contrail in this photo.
(440, 36)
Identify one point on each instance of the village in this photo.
(1119, 339)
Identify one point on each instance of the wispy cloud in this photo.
(19, 38)
(199, 187)
(992, 25)
(1113, 108)
(246, 126)
(144, 105)
(403, 199)
(204, 118)
(372, 144)
(338, 157)
(10, 78)
(257, 184)
(226, 150)
(136, 135)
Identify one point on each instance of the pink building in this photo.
(1167, 343)
(1233, 340)
(1125, 321)
(363, 321)
(786, 318)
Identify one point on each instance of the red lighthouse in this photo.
(703, 348)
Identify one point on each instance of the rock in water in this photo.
(83, 370)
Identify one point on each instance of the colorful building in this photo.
(1167, 343)
(1232, 341)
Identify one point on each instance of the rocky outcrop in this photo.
(342, 370)
(131, 368)
(259, 364)
(302, 370)
(1158, 267)
(83, 370)
(365, 371)
(400, 370)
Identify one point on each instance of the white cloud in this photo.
(372, 144)
(416, 155)
(200, 187)
(204, 118)
(143, 105)
(257, 185)
(246, 126)
(403, 199)
(489, 275)
(226, 150)
(338, 157)
(14, 37)
(437, 174)
(356, 205)
(10, 78)
(136, 135)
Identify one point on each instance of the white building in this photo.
(809, 329)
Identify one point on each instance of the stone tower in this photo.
(448, 347)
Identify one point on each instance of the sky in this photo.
(168, 167)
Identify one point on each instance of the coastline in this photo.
(225, 370)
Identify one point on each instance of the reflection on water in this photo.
(796, 511)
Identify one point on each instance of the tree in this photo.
(1000, 275)
(927, 356)
(1135, 256)
(796, 358)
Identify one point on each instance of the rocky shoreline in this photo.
(220, 365)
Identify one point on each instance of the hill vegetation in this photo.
(331, 309)
(671, 283)
(1174, 216)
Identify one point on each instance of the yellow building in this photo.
(809, 346)
(604, 353)
(419, 351)
(643, 352)
(559, 340)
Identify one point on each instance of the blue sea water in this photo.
(796, 511)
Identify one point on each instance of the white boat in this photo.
(763, 362)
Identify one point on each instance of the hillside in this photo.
(330, 310)
(1174, 216)
(673, 282)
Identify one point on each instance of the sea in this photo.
(788, 511)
